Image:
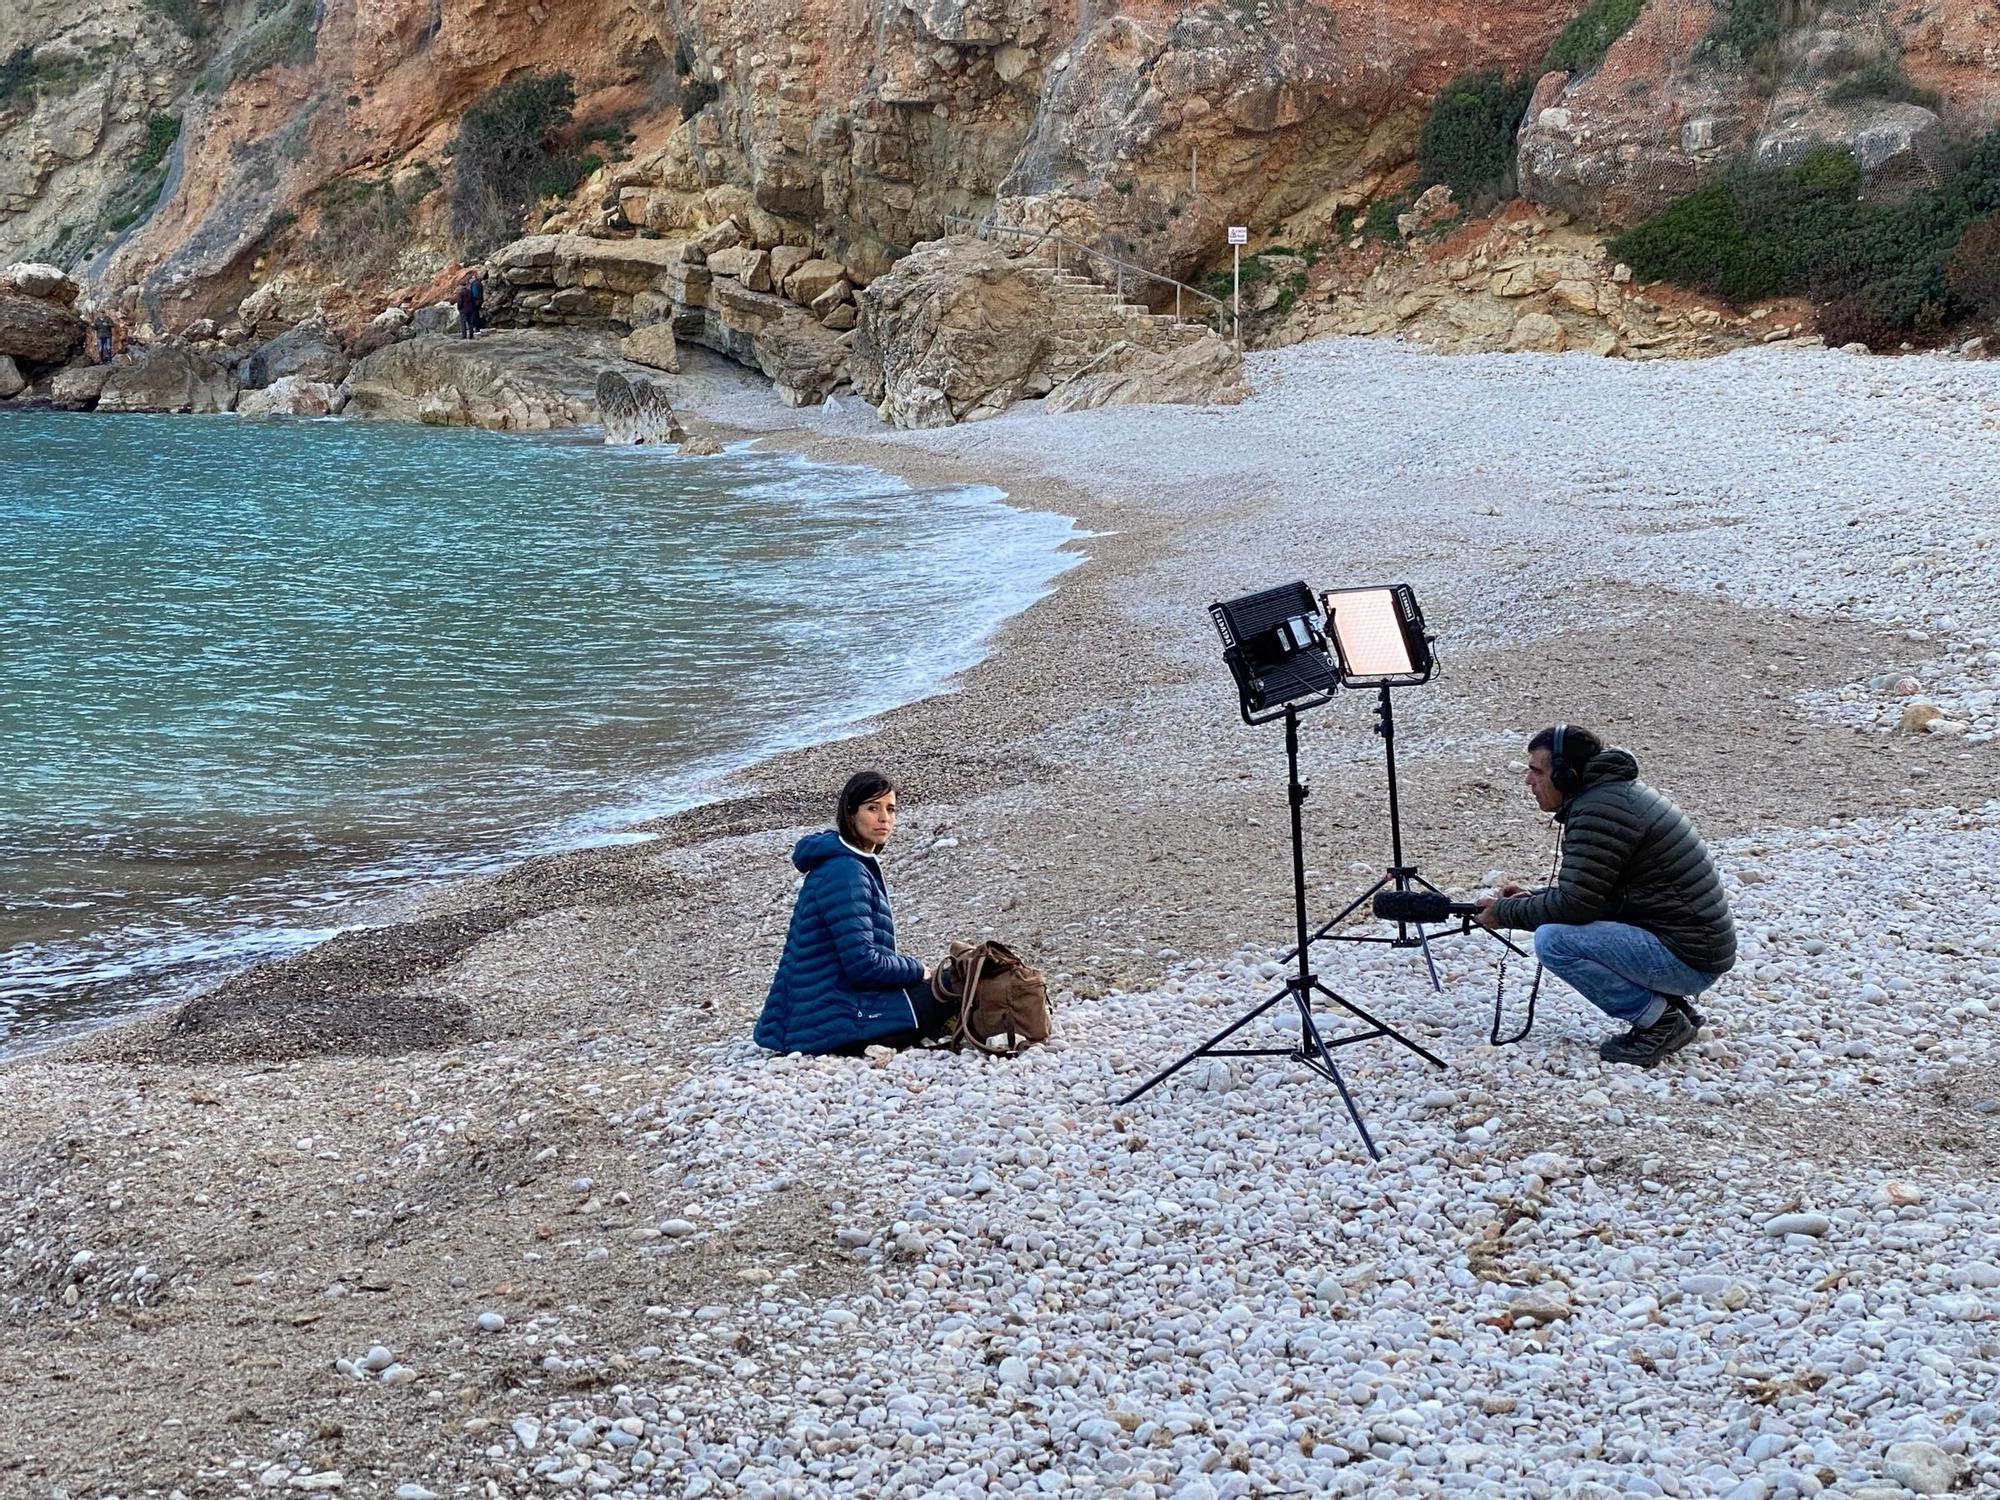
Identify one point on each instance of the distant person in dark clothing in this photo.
(471, 300)
(841, 985)
(102, 328)
(1637, 921)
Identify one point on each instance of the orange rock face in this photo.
(386, 83)
(853, 130)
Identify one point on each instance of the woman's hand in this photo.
(927, 973)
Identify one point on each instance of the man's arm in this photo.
(1596, 849)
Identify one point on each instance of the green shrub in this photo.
(1380, 223)
(1467, 142)
(1749, 234)
(283, 37)
(1883, 79)
(1585, 40)
(1755, 32)
(1752, 234)
(161, 133)
(505, 158)
(24, 76)
(696, 95)
(364, 224)
(184, 14)
(17, 74)
(1973, 272)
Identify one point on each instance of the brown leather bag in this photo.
(1003, 1005)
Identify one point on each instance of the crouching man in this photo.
(1636, 922)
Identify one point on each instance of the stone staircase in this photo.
(1091, 319)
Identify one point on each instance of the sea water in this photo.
(256, 678)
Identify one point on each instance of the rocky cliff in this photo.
(183, 153)
(1670, 106)
(862, 126)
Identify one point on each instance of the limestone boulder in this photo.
(802, 359)
(749, 265)
(77, 388)
(169, 378)
(1432, 208)
(1199, 372)
(38, 330)
(688, 285)
(507, 381)
(725, 236)
(955, 328)
(36, 279)
(813, 280)
(434, 318)
(653, 345)
(308, 352)
(535, 252)
(786, 259)
(635, 411)
(619, 266)
(1898, 147)
(12, 382)
(292, 396)
(835, 297)
(958, 331)
(1537, 332)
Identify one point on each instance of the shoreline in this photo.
(544, 1103)
(606, 827)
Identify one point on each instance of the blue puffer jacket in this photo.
(841, 980)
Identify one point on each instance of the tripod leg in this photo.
(1424, 941)
(1382, 1026)
(1342, 915)
(1215, 1041)
(1328, 1067)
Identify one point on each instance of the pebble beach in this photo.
(503, 1202)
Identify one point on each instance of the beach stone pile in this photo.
(1563, 1278)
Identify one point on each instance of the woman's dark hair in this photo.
(862, 787)
(1579, 745)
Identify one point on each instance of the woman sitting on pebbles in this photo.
(841, 985)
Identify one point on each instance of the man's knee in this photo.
(1555, 943)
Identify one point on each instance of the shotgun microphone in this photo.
(1421, 908)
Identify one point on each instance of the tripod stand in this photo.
(1399, 877)
(1312, 1049)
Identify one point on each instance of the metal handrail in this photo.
(983, 227)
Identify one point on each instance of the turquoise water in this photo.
(255, 676)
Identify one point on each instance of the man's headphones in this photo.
(1563, 776)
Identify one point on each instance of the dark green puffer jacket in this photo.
(1630, 855)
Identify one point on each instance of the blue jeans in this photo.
(1624, 971)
